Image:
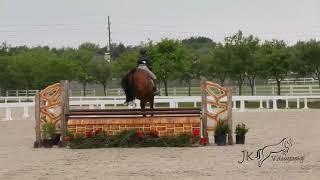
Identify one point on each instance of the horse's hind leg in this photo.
(143, 108)
(151, 106)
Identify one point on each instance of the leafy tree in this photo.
(82, 57)
(4, 49)
(275, 58)
(236, 44)
(167, 60)
(199, 43)
(21, 70)
(307, 59)
(219, 63)
(101, 71)
(5, 78)
(124, 63)
(191, 69)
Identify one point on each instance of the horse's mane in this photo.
(128, 86)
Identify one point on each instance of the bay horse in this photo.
(137, 83)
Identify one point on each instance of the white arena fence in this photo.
(265, 103)
(259, 90)
(294, 81)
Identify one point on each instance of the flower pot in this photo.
(240, 139)
(47, 143)
(220, 140)
(66, 139)
(55, 140)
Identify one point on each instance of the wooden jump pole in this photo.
(229, 115)
(65, 108)
(203, 119)
(37, 143)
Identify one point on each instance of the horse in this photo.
(137, 83)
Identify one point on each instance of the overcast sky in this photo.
(71, 22)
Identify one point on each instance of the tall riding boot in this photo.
(155, 90)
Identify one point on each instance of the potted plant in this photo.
(68, 136)
(220, 132)
(48, 134)
(240, 132)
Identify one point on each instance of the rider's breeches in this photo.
(144, 67)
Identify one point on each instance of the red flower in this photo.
(204, 141)
(139, 134)
(66, 138)
(196, 132)
(89, 134)
(153, 134)
(97, 131)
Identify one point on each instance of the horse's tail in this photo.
(127, 85)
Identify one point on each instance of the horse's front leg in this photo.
(143, 108)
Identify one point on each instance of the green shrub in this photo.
(48, 130)
(132, 138)
(241, 129)
(221, 128)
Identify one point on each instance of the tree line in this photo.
(240, 58)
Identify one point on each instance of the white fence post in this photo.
(25, 112)
(261, 104)
(8, 114)
(242, 105)
(267, 103)
(171, 104)
(287, 103)
(298, 103)
(291, 90)
(272, 90)
(305, 103)
(310, 90)
(274, 104)
(234, 105)
(195, 104)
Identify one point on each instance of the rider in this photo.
(144, 63)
